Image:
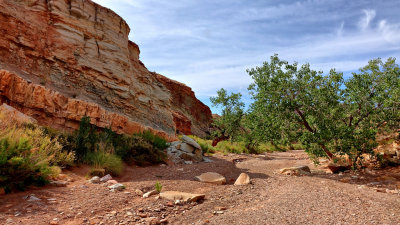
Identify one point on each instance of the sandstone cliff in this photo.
(63, 59)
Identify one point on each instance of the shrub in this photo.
(28, 156)
(231, 147)
(111, 164)
(157, 141)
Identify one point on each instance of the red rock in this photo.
(58, 64)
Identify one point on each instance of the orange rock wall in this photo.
(53, 109)
(80, 50)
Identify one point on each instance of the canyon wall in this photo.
(64, 59)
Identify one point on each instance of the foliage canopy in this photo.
(328, 114)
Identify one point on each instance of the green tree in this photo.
(328, 114)
(229, 123)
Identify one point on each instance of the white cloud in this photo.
(365, 21)
(209, 44)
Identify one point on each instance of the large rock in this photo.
(297, 170)
(185, 150)
(62, 60)
(211, 177)
(187, 197)
(243, 179)
(190, 141)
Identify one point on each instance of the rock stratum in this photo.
(61, 60)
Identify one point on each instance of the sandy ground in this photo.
(367, 197)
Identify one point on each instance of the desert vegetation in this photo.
(32, 155)
(329, 115)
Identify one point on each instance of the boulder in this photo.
(298, 170)
(243, 179)
(182, 196)
(190, 141)
(186, 148)
(211, 177)
(179, 152)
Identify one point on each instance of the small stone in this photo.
(59, 183)
(207, 160)
(142, 215)
(188, 162)
(170, 204)
(2, 191)
(243, 179)
(178, 202)
(165, 221)
(117, 187)
(111, 182)
(139, 192)
(54, 222)
(220, 208)
(106, 178)
(32, 198)
(150, 193)
(94, 180)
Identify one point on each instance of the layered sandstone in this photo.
(72, 58)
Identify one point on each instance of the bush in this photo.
(231, 147)
(144, 147)
(141, 151)
(28, 156)
(102, 161)
(156, 141)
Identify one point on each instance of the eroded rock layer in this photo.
(78, 54)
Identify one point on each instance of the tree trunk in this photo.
(218, 139)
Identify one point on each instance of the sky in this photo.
(209, 44)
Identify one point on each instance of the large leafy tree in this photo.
(328, 114)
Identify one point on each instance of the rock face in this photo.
(62, 60)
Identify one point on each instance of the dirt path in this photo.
(272, 198)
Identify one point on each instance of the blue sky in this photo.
(209, 44)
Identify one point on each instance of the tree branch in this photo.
(305, 123)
